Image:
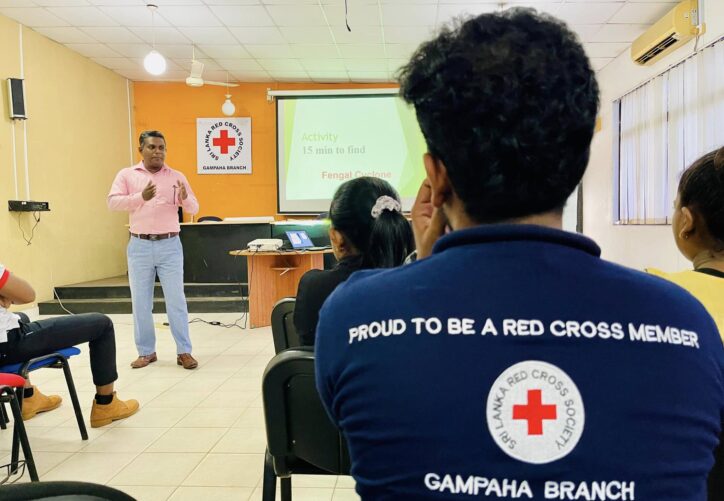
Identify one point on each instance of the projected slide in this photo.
(325, 141)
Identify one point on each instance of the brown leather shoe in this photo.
(187, 361)
(143, 360)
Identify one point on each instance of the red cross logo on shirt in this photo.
(534, 412)
(224, 141)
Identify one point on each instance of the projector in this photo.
(266, 244)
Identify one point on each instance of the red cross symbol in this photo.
(224, 141)
(534, 412)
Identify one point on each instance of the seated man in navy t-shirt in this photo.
(513, 362)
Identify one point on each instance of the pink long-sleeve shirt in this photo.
(158, 215)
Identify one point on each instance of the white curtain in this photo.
(665, 125)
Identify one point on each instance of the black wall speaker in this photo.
(16, 98)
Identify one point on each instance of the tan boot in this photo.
(102, 415)
(39, 403)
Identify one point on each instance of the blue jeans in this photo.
(145, 259)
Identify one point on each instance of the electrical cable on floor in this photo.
(217, 324)
(244, 315)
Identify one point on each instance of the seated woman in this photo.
(367, 230)
(21, 340)
(698, 226)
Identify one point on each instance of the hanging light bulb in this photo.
(228, 107)
(154, 62)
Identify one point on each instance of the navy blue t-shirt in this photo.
(514, 363)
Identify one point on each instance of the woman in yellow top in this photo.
(698, 226)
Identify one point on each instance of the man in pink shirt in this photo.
(151, 192)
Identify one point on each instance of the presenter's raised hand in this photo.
(428, 223)
(149, 191)
(182, 190)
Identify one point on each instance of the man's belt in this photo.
(160, 236)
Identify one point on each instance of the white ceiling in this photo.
(298, 40)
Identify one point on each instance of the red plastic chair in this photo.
(9, 384)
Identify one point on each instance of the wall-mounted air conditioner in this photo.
(677, 27)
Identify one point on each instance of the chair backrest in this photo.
(282, 323)
(298, 429)
(208, 218)
(67, 491)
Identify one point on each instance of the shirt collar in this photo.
(140, 166)
(706, 271)
(495, 233)
(350, 262)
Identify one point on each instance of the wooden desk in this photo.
(273, 276)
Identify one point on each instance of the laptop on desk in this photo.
(299, 240)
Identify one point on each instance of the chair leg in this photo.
(15, 454)
(19, 429)
(4, 420)
(74, 398)
(269, 490)
(286, 488)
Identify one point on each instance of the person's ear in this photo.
(336, 238)
(687, 226)
(440, 185)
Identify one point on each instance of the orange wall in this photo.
(173, 109)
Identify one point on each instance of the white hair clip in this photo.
(385, 203)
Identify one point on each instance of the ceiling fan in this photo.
(197, 68)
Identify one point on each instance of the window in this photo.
(663, 126)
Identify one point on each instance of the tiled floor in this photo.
(198, 433)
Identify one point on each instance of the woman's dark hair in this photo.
(702, 188)
(384, 241)
(508, 102)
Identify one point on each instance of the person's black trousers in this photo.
(34, 339)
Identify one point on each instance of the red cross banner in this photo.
(223, 145)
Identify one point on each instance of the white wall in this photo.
(635, 246)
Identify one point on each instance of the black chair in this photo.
(208, 218)
(282, 324)
(301, 439)
(62, 491)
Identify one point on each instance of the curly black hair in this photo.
(508, 102)
(702, 188)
